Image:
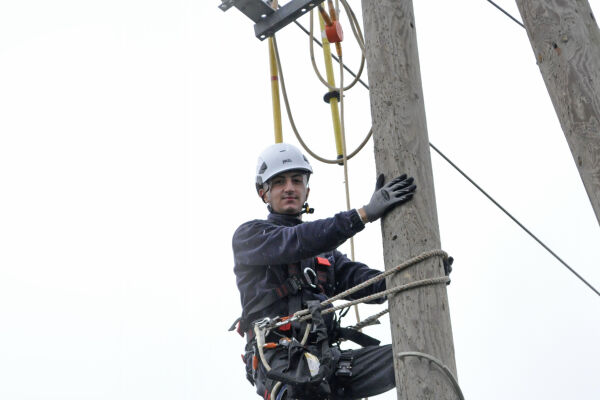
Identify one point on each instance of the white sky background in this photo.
(129, 132)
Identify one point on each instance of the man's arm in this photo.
(265, 243)
(350, 273)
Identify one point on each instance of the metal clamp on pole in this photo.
(267, 20)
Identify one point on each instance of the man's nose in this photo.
(288, 185)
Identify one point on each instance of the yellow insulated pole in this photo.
(275, 93)
(333, 102)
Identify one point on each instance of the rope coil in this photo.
(303, 315)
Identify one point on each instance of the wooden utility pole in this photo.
(565, 39)
(420, 319)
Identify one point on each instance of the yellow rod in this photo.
(275, 93)
(333, 102)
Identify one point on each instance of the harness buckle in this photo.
(344, 369)
(294, 284)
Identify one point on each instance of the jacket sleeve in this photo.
(264, 243)
(350, 273)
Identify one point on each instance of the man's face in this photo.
(287, 192)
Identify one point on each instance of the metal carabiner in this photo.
(264, 323)
(310, 281)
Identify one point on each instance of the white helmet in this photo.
(278, 158)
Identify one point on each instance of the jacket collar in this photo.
(284, 219)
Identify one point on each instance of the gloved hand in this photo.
(396, 192)
(448, 267)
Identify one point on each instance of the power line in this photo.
(506, 13)
(471, 180)
(514, 219)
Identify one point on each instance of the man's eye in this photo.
(278, 182)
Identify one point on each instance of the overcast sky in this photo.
(129, 132)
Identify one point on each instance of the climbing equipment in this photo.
(315, 311)
(308, 377)
(303, 315)
(313, 274)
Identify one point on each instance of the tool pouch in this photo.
(307, 374)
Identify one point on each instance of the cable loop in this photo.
(293, 124)
(440, 364)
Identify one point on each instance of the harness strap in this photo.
(357, 337)
(294, 301)
(292, 288)
(325, 275)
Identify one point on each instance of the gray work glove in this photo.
(396, 192)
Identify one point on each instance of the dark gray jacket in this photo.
(263, 249)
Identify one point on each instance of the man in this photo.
(283, 265)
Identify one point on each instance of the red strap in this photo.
(281, 291)
(322, 276)
(293, 269)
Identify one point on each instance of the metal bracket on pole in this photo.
(253, 9)
(267, 20)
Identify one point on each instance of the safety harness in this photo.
(316, 275)
(313, 274)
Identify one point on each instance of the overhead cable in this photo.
(514, 219)
(506, 13)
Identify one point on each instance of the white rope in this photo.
(300, 315)
(366, 299)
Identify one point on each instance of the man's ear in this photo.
(262, 193)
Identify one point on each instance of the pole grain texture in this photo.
(565, 39)
(420, 319)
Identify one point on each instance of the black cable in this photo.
(514, 219)
(506, 13)
(332, 55)
(469, 179)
